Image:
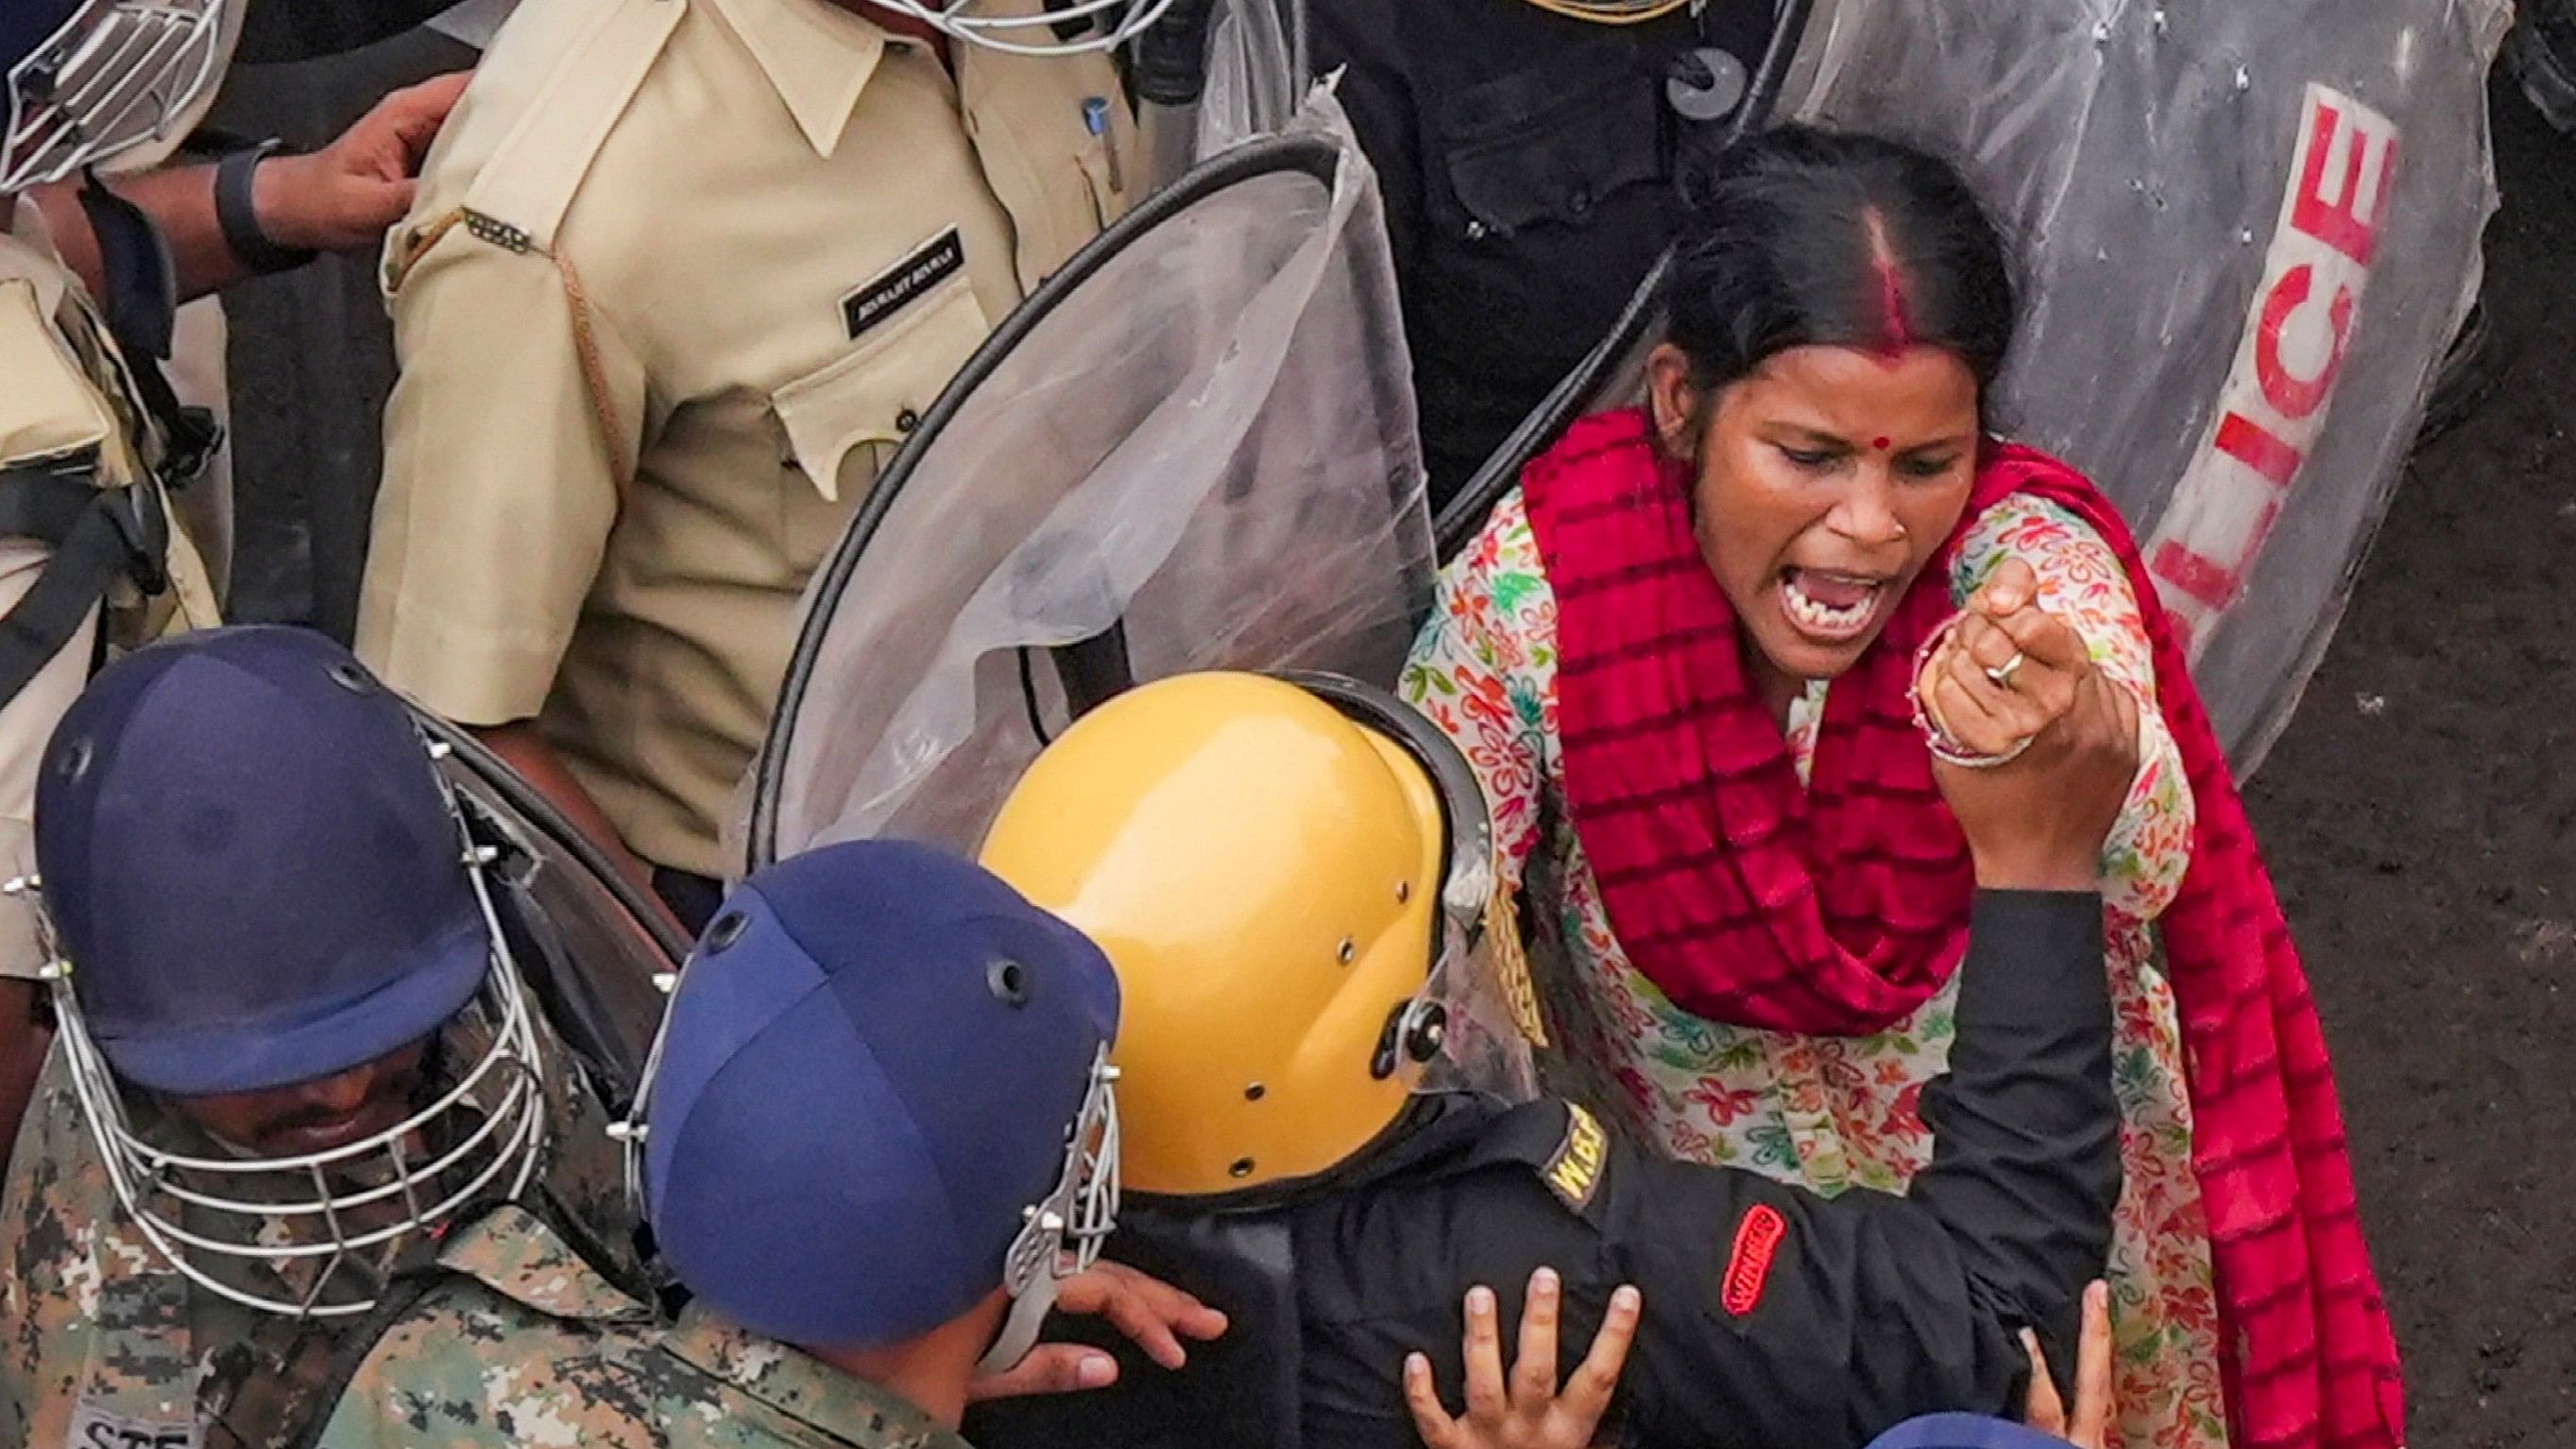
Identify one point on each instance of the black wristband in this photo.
(239, 217)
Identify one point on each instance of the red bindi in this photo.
(1880, 444)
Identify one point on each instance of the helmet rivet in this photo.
(1403, 891)
(1009, 982)
(352, 678)
(76, 760)
(1350, 951)
(727, 930)
(1242, 1167)
(1429, 1032)
(1255, 1092)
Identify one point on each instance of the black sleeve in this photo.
(1787, 1319)
(1362, 39)
(2025, 1166)
(1773, 1316)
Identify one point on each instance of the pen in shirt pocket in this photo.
(1095, 119)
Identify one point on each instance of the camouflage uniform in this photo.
(102, 1342)
(519, 1342)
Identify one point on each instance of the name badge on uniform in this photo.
(95, 1428)
(1573, 1171)
(942, 257)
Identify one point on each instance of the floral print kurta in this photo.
(1839, 1112)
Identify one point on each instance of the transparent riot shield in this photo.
(2249, 232)
(1212, 74)
(595, 950)
(1193, 448)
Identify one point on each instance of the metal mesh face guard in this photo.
(117, 75)
(308, 1236)
(1065, 1229)
(1106, 24)
(1062, 1233)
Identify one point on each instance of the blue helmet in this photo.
(1964, 1431)
(881, 1093)
(250, 858)
(85, 81)
(255, 876)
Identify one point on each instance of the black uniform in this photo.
(1774, 1317)
(1525, 159)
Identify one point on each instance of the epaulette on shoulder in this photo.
(523, 192)
(527, 180)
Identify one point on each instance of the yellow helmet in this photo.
(1274, 865)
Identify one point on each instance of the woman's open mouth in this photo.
(1830, 608)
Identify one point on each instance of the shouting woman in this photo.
(1702, 659)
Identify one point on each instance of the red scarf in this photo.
(1840, 908)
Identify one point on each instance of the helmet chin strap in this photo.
(1020, 1329)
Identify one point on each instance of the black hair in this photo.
(1803, 237)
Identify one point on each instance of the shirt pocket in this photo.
(844, 421)
(1550, 145)
(48, 411)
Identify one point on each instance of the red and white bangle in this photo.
(1945, 746)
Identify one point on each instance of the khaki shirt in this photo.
(681, 276)
(64, 392)
(520, 1342)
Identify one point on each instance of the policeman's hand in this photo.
(2036, 821)
(1153, 1313)
(344, 196)
(2089, 1423)
(1530, 1413)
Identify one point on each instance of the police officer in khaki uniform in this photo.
(682, 275)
